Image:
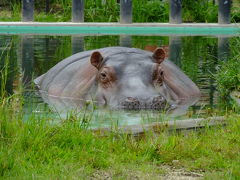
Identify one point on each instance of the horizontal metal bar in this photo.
(115, 28)
(115, 24)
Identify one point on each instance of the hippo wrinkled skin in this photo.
(118, 77)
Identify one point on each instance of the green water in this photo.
(33, 55)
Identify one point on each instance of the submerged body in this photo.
(119, 77)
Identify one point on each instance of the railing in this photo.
(175, 15)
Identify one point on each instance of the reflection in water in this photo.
(8, 64)
(196, 56)
(125, 41)
(223, 48)
(77, 44)
(27, 58)
(175, 49)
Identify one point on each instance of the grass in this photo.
(199, 11)
(98, 11)
(38, 149)
(228, 77)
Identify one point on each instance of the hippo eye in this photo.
(158, 76)
(161, 73)
(107, 77)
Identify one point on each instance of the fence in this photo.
(175, 15)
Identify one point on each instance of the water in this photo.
(33, 55)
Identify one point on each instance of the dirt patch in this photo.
(181, 174)
(162, 172)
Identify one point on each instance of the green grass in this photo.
(228, 76)
(199, 11)
(38, 149)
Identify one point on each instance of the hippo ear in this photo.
(96, 59)
(159, 55)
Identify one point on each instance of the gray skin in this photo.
(119, 77)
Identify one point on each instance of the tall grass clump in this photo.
(228, 74)
(8, 67)
(235, 13)
(199, 11)
(150, 11)
(3, 76)
(10, 10)
(228, 77)
(60, 11)
(4, 71)
(102, 11)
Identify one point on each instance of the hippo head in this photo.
(130, 80)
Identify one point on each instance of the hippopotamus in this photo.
(119, 77)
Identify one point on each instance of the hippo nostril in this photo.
(158, 102)
(131, 103)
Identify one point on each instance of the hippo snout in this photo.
(155, 103)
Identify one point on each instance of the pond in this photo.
(33, 55)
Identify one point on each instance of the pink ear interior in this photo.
(96, 59)
(159, 55)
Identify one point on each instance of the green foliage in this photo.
(109, 10)
(4, 76)
(16, 10)
(228, 75)
(235, 13)
(199, 11)
(97, 11)
(150, 11)
(8, 67)
(60, 11)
